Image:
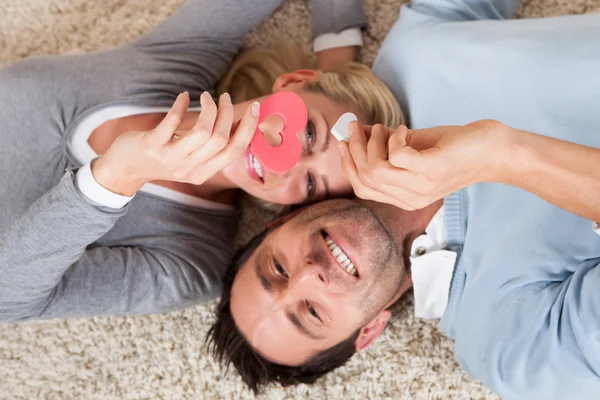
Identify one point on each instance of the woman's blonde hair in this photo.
(255, 70)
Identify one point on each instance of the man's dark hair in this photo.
(229, 346)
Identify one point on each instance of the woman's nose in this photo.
(271, 128)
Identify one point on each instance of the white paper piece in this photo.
(341, 129)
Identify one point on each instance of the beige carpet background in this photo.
(163, 356)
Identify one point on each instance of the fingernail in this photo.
(204, 95)
(341, 148)
(226, 97)
(255, 109)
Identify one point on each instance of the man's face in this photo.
(317, 279)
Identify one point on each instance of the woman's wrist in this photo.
(113, 179)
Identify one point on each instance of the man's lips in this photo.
(346, 264)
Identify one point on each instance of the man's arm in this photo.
(337, 27)
(548, 344)
(563, 173)
(414, 168)
(48, 267)
(466, 10)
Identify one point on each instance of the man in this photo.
(513, 277)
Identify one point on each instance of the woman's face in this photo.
(318, 174)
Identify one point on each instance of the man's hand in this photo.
(330, 59)
(414, 168)
(164, 153)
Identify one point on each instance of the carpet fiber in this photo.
(163, 356)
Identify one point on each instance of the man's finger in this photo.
(401, 155)
(377, 146)
(170, 123)
(357, 146)
(361, 189)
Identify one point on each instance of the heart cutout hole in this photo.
(271, 129)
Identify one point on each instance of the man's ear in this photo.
(294, 80)
(372, 330)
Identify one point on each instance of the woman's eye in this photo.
(312, 311)
(310, 187)
(310, 133)
(280, 269)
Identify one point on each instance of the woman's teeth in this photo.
(257, 167)
(341, 257)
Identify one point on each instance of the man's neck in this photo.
(418, 220)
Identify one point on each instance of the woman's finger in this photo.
(224, 121)
(236, 148)
(219, 136)
(170, 123)
(207, 118)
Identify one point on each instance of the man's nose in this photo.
(310, 277)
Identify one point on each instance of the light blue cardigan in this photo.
(524, 305)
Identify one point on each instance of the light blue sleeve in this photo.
(550, 349)
(466, 10)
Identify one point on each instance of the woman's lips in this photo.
(250, 167)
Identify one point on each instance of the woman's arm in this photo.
(426, 165)
(48, 271)
(48, 264)
(337, 27)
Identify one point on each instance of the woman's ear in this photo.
(372, 330)
(294, 80)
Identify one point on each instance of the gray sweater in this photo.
(61, 255)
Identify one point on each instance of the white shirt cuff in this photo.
(348, 37)
(85, 181)
(596, 227)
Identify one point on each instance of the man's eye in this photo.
(312, 311)
(280, 269)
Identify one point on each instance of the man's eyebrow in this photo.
(264, 282)
(294, 320)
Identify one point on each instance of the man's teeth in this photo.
(257, 167)
(341, 257)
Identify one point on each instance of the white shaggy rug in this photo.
(163, 356)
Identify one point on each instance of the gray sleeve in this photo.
(205, 35)
(48, 268)
(333, 16)
(466, 10)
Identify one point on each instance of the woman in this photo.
(68, 247)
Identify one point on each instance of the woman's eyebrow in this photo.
(323, 149)
(327, 134)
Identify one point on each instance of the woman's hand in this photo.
(165, 153)
(423, 165)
